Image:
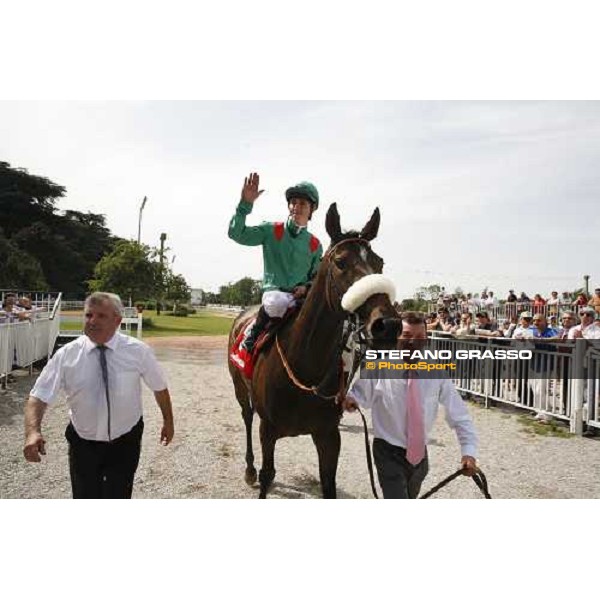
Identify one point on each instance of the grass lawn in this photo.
(202, 323)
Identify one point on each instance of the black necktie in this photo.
(104, 367)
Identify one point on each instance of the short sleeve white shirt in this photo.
(76, 370)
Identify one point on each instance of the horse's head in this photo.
(354, 282)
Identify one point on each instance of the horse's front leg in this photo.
(328, 448)
(267, 470)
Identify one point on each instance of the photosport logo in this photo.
(441, 363)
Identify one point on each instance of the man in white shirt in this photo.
(401, 464)
(491, 302)
(524, 331)
(100, 373)
(586, 329)
(553, 303)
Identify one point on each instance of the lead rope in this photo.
(478, 477)
(357, 334)
(369, 458)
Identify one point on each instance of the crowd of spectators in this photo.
(14, 308)
(466, 314)
(487, 301)
(552, 319)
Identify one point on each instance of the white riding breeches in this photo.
(277, 302)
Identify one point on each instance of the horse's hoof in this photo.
(250, 476)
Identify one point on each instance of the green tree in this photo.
(65, 246)
(25, 198)
(176, 288)
(129, 270)
(428, 292)
(244, 292)
(19, 269)
(212, 298)
(247, 291)
(227, 294)
(413, 304)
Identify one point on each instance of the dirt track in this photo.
(206, 458)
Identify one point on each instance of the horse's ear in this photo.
(332, 223)
(370, 230)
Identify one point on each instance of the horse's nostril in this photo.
(377, 327)
(386, 328)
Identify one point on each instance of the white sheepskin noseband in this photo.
(366, 287)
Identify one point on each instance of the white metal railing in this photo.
(568, 390)
(23, 343)
(226, 307)
(131, 316)
(41, 300)
(68, 305)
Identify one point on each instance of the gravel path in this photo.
(206, 458)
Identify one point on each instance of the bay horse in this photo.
(297, 377)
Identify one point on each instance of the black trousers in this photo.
(397, 477)
(104, 469)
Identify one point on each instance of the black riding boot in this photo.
(262, 319)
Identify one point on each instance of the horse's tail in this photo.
(242, 390)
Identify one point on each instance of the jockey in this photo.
(291, 255)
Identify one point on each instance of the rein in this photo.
(478, 477)
(314, 389)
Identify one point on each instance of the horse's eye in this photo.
(340, 263)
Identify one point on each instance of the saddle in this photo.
(245, 361)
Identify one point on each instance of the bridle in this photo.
(330, 280)
(353, 326)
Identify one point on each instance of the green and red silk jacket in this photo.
(291, 255)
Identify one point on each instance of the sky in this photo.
(472, 194)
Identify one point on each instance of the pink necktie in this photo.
(415, 429)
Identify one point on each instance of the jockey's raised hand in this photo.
(250, 191)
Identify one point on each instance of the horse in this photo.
(298, 375)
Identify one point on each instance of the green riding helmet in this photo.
(304, 189)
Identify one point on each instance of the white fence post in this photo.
(576, 422)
